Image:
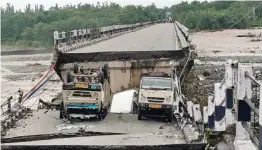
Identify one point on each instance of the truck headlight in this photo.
(95, 94)
(68, 93)
(143, 98)
(168, 100)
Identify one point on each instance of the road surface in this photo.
(159, 131)
(154, 38)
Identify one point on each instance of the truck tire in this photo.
(69, 77)
(140, 115)
(3, 132)
(102, 78)
(75, 68)
(105, 70)
(170, 116)
(100, 117)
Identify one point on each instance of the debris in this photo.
(70, 127)
(201, 77)
(120, 117)
(216, 51)
(206, 73)
(255, 40)
(35, 64)
(247, 35)
(192, 88)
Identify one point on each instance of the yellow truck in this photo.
(86, 93)
(157, 95)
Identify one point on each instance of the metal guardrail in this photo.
(71, 40)
(182, 33)
(237, 81)
(14, 105)
(183, 29)
(12, 111)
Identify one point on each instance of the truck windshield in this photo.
(157, 83)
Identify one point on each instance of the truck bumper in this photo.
(81, 106)
(82, 109)
(163, 111)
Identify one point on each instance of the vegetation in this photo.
(34, 27)
(218, 14)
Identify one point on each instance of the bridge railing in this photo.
(182, 43)
(182, 34)
(237, 81)
(184, 29)
(245, 106)
(71, 40)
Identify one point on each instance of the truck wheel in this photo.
(61, 115)
(69, 77)
(101, 116)
(3, 132)
(105, 70)
(75, 68)
(102, 78)
(140, 115)
(170, 116)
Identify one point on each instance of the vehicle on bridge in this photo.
(127, 59)
(86, 93)
(156, 95)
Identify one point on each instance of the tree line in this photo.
(34, 26)
(218, 14)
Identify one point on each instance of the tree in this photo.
(35, 28)
(41, 8)
(28, 8)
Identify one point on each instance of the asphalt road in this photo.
(153, 38)
(149, 131)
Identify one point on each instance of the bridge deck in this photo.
(153, 38)
(159, 131)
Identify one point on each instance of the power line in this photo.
(245, 15)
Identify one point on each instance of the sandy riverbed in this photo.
(226, 43)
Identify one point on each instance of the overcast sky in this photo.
(20, 4)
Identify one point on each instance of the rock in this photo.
(206, 73)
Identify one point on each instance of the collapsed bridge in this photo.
(150, 48)
(128, 50)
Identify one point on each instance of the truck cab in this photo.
(156, 95)
(86, 94)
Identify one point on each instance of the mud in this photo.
(226, 43)
(23, 71)
(25, 52)
(32, 68)
(20, 58)
(242, 59)
(214, 48)
(31, 77)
